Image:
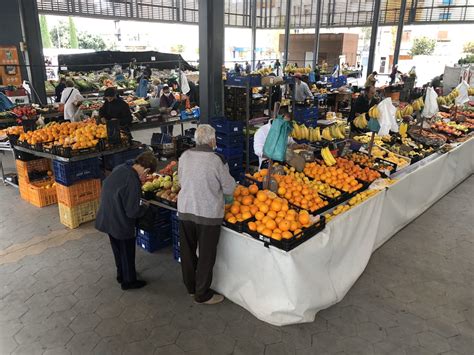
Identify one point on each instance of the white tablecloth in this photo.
(291, 287)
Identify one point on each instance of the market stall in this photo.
(282, 288)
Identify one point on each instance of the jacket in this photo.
(120, 203)
(118, 109)
(205, 179)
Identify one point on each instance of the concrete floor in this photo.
(58, 295)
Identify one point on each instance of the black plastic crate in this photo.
(289, 244)
(23, 156)
(70, 172)
(238, 226)
(154, 219)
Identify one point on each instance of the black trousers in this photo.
(124, 254)
(167, 129)
(197, 272)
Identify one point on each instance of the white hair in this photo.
(204, 135)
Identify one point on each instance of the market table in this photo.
(283, 288)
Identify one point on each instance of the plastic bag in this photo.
(373, 125)
(277, 140)
(463, 96)
(387, 119)
(431, 103)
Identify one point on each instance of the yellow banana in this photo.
(326, 134)
(317, 134)
(403, 129)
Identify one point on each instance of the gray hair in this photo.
(204, 135)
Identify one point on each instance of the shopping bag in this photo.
(277, 139)
(431, 103)
(387, 118)
(463, 96)
(373, 125)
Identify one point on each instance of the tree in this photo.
(423, 46)
(469, 47)
(60, 35)
(73, 34)
(179, 48)
(45, 37)
(91, 41)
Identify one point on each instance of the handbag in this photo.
(277, 140)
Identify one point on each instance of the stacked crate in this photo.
(230, 140)
(175, 236)
(35, 182)
(78, 189)
(155, 232)
(112, 160)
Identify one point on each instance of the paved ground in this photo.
(58, 295)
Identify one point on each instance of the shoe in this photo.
(215, 299)
(133, 285)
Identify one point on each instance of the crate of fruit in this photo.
(32, 170)
(80, 192)
(70, 172)
(41, 194)
(73, 217)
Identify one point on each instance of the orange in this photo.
(276, 236)
(272, 214)
(262, 208)
(278, 220)
(260, 228)
(252, 226)
(288, 195)
(262, 196)
(298, 231)
(253, 189)
(232, 220)
(270, 224)
(259, 216)
(267, 232)
(271, 195)
(263, 172)
(276, 230)
(234, 209)
(244, 209)
(276, 206)
(268, 202)
(286, 235)
(237, 191)
(284, 207)
(247, 200)
(228, 215)
(290, 217)
(281, 214)
(246, 215)
(304, 218)
(253, 210)
(293, 226)
(244, 191)
(284, 225)
(239, 217)
(265, 219)
(281, 191)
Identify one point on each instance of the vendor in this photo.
(260, 138)
(58, 90)
(118, 212)
(167, 104)
(302, 91)
(115, 107)
(393, 74)
(363, 103)
(371, 79)
(71, 98)
(205, 184)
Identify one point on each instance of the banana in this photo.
(326, 134)
(408, 110)
(403, 129)
(328, 157)
(311, 134)
(317, 134)
(342, 131)
(374, 112)
(305, 132)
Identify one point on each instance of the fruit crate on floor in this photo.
(68, 173)
(73, 217)
(79, 192)
(154, 219)
(41, 194)
(111, 161)
(153, 241)
(33, 170)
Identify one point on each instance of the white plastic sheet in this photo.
(387, 119)
(431, 103)
(283, 288)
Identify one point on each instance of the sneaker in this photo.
(215, 299)
(133, 285)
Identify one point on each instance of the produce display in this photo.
(302, 132)
(164, 187)
(451, 128)
(365, 174)
(24, 111)
(333, 176)
(357, 199)
(448, 100)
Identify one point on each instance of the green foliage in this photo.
(469, 47)
(73, 34)
(179, 48)
(91, 41)
(60, 35)
(467, 60)
(423, 46)
(45, 37)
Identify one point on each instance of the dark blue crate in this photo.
(242, 81)
(111, 161)
(306, 113)
(71, 172)
(229, 141)
(230, 152)
(235, 163)
(236, 173)
(227, 127)
(177, 255)
(152, 242)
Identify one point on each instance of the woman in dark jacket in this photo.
(120, 206)
(115, 107)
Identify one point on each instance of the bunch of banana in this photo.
(448, 100)
(327, 134)
(337, 131)
(418, 104)
(314, 134)
(403, 129)
(470, 91)
(328, 157)
(407, 111)
(374, 112)
(360, 121)
(398, 114)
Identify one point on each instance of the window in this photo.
(448, 2)
(445, 16)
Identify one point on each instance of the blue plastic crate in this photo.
(151, 241)
(68, 173)
(177, 255)
(306, 113)
(227, 127)
(236, 173)
(226, 141)
(235, 163)
(242, 81)
(230, 152)
(111, 161)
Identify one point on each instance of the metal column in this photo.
(317, 28)
(287, 32)
(373, 36)
(253, 22)
(398, 41)
(211, 58)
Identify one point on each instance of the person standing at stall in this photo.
(115, 107)
(120, 207)
(205, 186)
(302, 91)
(371, 80)
(362, 104)
(167, 103)
(58, 90)
(71, 98)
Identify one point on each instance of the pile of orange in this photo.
(351, 168)
(299, 193)
(333, 176)
(259, 175)
(244, 205)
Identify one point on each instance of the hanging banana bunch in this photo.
(374, 112)
(328, 157)
(360, 121)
